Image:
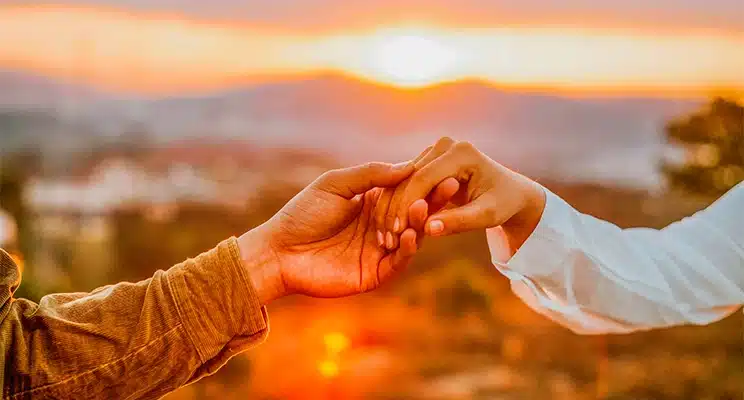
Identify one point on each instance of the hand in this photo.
(323, 243)
(387, 224)
(488, 195)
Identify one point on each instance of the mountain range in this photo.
(545, 135)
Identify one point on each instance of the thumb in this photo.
(349, 182)
(469, 217)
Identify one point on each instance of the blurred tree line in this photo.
(144, 242)
(712, 140)
(15, 170)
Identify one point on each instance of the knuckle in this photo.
(373, 167)
(445, 142)
(464, 147)
(329, 176)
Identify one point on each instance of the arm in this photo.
(585, 273)
(145, 339)
(140, 339)
(594, 277)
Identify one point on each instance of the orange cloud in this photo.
(148, 52)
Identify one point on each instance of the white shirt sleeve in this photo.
(593, 277)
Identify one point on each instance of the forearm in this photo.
(594, 277)
(137, 340)
(523, 223)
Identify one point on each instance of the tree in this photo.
(15, 169)
(712, 140)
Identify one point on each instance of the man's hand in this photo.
(323, 242)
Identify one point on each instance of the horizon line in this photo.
(247, 83)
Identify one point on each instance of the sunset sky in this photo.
(669, 47)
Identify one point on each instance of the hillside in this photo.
(594, 139)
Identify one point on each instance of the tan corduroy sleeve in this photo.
(130, 340)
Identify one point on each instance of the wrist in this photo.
(262, 265)
(520, 226)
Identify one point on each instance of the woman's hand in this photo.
(488, 195)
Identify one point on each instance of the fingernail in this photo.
(389, 240)
(436, 227)
(396, 225)
(380, 239)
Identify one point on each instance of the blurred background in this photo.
(134, 134)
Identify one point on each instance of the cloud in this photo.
(154, 52)
(329, 14)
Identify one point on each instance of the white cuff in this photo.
(542, 258)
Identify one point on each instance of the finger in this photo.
(408, 245)
(376, 199)
(393, 223)
(349, 182)
(398, 260)
(440, 147)
(456, 163)
(391, 240)
(420, 209)
(417, 214)
(422, 155)
(420, 240)
(371, 196)
(472, 216)
(442, 194)
(381, 210)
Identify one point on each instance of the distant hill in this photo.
(591, 139)
(20, 90)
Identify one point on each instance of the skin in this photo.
(487, 195)
(332, 239)
(323, 242)
(387, 227)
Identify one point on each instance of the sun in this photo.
(411, 60)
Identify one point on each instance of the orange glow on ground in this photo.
(156, 53)
(336, 342)
(328, 368)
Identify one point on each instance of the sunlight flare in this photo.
(153, 53)
(411, 60)
(336, 342)
(328, 368)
